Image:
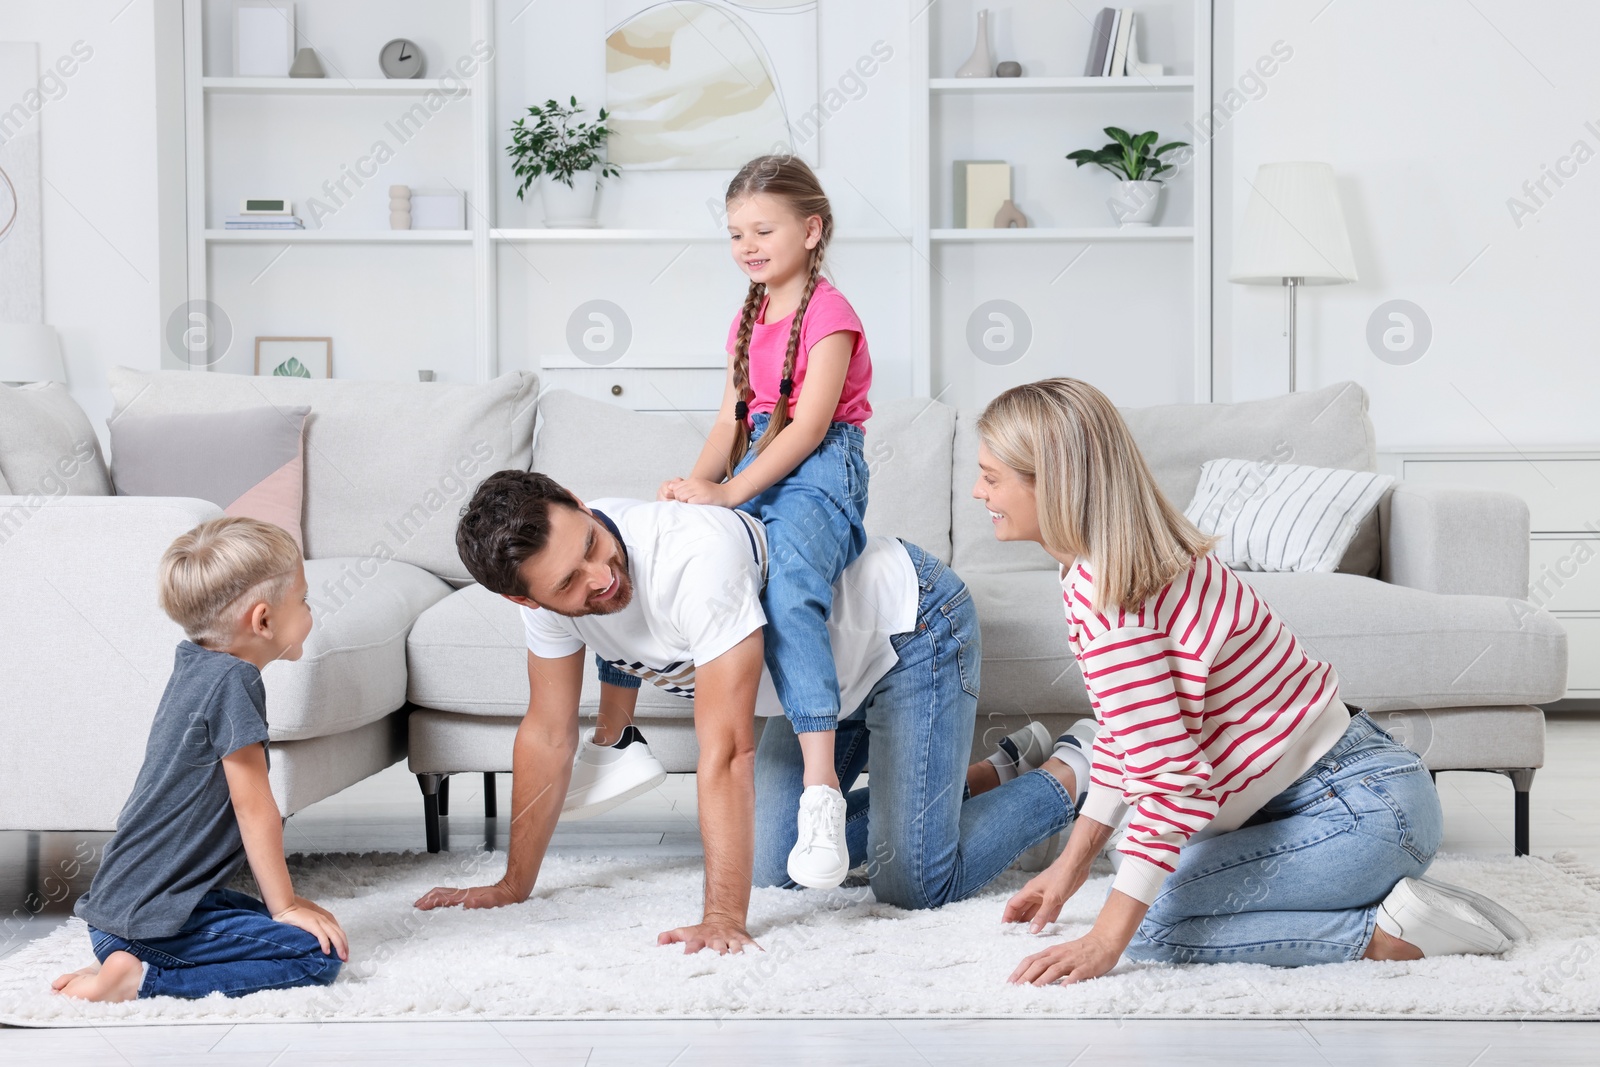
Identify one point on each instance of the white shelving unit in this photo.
(1160, 273)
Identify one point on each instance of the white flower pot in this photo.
(570, 207)
(1135, 203)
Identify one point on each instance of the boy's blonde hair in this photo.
(209, 570)
(1095, 493)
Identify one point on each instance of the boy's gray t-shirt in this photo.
(177, 838)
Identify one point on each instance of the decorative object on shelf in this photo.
(263, 213)
(566, 154)
(21, 240)
(1114, 46)
(981, 63)
(399, 207)
(1008, 68)
(401, 58)
(263, 38)
(1135, 67)
(30, 352)
(710, 84)
(438, 211)
(1293, 234)
(1130, 158)
(1009, 217)
(981, 186)
(294, 357)
(306, 65)
(426, 376)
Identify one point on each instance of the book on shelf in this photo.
(1111, 44)
(1119, 56)
(263, 222)
(1100, 42)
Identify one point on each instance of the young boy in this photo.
(160, 917)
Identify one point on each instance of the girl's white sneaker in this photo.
(820, 858)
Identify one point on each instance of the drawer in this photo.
(1583, 655)
(1562, 494)
(694, 389)
(1564, 573)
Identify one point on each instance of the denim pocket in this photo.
(1419, 830)
(962, 620)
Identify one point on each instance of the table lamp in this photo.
(30, 352)
(1293, 235)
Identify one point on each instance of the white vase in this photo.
(1135, 203)
(981, 63)
(571, 207)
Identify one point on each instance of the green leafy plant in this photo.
(1129, 156)
(547, 141)
(291, 368)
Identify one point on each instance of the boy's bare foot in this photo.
(116, 979)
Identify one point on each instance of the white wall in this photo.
(1433, 113)
(98, 170)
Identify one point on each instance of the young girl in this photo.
(1271, 824)
(788, 442)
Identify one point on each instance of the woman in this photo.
(1268, 825)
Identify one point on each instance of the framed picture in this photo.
(263, 38)
(294, 357)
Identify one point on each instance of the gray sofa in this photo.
(1425, 622)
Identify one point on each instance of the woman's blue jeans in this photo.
(814, 527)
(923, 846)
(1301, 881)
(230, 944)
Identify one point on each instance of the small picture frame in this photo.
(294, 357)
(438, 211)
(263, 38)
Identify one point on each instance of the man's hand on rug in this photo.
(719, 935)
(1069, 962)
(483, 896)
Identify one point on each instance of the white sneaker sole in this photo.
(1430, 917)
(819, 880)
(633, 777)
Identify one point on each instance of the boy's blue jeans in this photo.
(1301, 881)
(814, 531)
(230, 945)
(923, 844)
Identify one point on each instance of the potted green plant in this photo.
(550, 143)
(1131, 158)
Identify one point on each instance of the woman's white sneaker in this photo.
(821, 857)
(1444, 920)
(604, 776)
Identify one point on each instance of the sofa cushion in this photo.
(249, 463)
(388, 464)
(467, 654)
(1323, 428)
(47, 447)
(353, 670)
(909, 446)
(1393, 647)
(597, 449)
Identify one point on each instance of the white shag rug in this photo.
(584, 947)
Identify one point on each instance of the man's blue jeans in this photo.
(814, 527)
(231, 945)
(1301, 881)
(922, 845)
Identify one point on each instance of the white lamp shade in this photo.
(30, 352)
(1293, 228)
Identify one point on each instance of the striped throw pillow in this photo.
(1282, 517)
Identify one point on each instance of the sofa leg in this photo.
(429, 783)
(1522, 782)
(491, 806)
(444, 795)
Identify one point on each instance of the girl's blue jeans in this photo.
(1300, 883)
(230, 945)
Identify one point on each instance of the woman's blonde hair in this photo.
(1096, 496)
(787, 178)
(209, 570)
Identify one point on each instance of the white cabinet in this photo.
(1562, 489)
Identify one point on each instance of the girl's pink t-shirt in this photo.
(828, 312)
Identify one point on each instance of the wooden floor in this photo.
(39, 879)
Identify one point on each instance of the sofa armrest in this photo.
(85, 651)
(1455, 539)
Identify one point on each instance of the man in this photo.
(670, 593)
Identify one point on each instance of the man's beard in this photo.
(618, 601)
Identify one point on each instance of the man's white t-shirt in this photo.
(696, 574)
